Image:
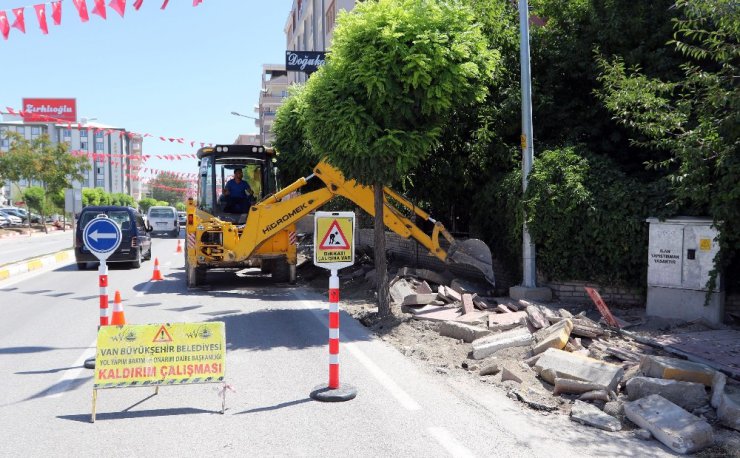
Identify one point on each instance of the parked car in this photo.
(4, 220)
(136, 243)
(181, 218)
(22, 214)
(163, 219)
(11, 218)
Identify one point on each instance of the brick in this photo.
(676, 428)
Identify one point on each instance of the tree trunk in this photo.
(381, 263)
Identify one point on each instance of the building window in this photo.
(83, 133)
(100, 183)
(100, 170)
(66, 133)
(99, 134)
(331, 16)
(83, 145)
(35, 130)
(99, 146)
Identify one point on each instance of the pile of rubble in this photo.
(602, 374)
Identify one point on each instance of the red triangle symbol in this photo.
(334, 238)
(162, 335)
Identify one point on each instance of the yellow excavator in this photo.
(258, 228)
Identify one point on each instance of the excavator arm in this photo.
(274, 213)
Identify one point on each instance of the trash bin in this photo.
(681, 255)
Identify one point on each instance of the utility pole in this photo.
(528, 289)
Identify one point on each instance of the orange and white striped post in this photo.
(334, 249)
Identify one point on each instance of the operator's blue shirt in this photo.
(238, 190)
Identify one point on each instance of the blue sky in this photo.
(174, 73)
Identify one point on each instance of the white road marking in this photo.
(61, 386)
(449, 443)
(388, 383)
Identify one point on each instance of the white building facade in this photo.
(114, 154)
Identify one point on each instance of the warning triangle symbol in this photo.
(162, 335)
(334, 238)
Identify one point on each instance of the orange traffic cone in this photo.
(179, 248)
(157, 275)
(118, 317)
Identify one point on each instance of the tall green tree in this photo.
(692, 122)
(295, 157)
(397, 70)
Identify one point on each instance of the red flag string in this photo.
(119, 6)
(99, 8)
(82, 10)
(56, 12)
(41, 16)
(20, 22)
(4, 26)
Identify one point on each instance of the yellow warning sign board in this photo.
(705, 244)
(160, 354)
(334, 245)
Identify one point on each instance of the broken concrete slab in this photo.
(506, 321)
(450, 313)
(462, 331)
(466, 286)
(595, 395)
(419, 299)
(587, 414)
(400, 289)
(676, 369)
(718, 387)
(452, 294)
(536, 399)
(687, 395)
(566, 385)
(568, 365)
(467, 303)
(424, 288)
(555, 336)
(489, 345)
(425, 274)
(726, 399)
(506, 374)
(676, 428)
(536, 318)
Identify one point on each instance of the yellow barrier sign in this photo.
(160, 354)
(334, 245)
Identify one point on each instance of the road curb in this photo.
(34, 264)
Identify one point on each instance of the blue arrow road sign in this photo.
(101, 236)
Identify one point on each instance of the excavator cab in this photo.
(221, 163)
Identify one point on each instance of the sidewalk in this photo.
(19, 231)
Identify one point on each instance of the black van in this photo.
(136, 244)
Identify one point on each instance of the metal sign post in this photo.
(101, 236)
(334, 248)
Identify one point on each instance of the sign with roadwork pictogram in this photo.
(334, 246)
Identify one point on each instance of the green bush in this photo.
(587, 218)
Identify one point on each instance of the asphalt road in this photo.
(18, 248)
(277, 352)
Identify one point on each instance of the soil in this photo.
(420, 341)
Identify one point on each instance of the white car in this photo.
(10, 218)
(163, 219)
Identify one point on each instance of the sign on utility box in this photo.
(334, 241)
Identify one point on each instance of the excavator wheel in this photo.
(281, 270)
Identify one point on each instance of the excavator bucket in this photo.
(474, 253)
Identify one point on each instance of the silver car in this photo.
(164, 220)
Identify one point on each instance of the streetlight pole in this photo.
(262, 134)
(528, 288)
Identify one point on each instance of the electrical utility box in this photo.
(681, 255)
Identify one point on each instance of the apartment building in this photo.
(112, 151)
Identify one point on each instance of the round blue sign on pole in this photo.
(101, 236)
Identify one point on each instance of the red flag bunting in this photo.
(137, 4)
(5, 29)
(99, 8)
(82, 10)
(197, 2)
(119, 6)
(164, 4)
(20, 22)
(56, 12)
(41, 16)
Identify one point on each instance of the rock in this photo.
(587, 414)
(462, 331)
(615, 409)
(565, 385)
(400, 289)
(687, 395)
(419, 299)
(555, 336)
(676, 369)
(491, 344)
(728, 411)
(535, 399)
(490, 369)
(577, 367)
(564, 313)
(536, 318)
(718, 387)
(676, 428)
(506, 374)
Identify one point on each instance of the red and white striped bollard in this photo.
(103, 283)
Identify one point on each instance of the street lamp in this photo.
(262, 135)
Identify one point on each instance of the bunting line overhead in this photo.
(99, 8)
